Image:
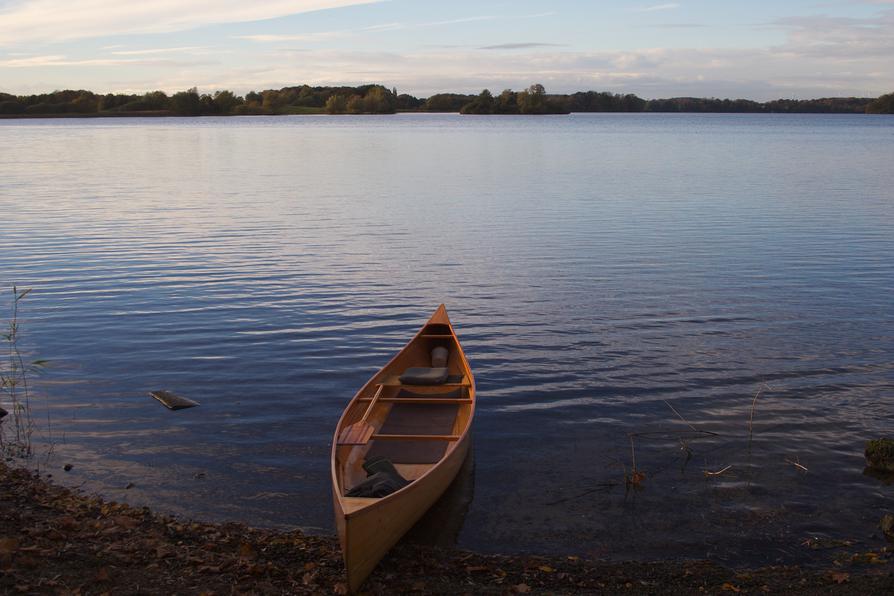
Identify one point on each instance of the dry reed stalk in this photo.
(796, 464)
(718, 472)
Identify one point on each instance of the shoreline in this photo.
(56, 539)
(399, 112)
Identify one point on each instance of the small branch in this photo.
(718, 472)
(680, 416)
(751, 417)
(797, 465)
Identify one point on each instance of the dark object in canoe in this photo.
(173, 402)
(3, 413)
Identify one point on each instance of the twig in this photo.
(751, 418)
(797, 465)
(718, 472)
(679, 415)
(653, 433)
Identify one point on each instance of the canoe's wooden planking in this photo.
(368, 528)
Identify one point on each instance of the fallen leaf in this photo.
(728, 587)
(475, 568)
(522, 588)
(103, 574)
(546, 569)
(8, 546)
(839, 577)
(246, 551)
(340, 588)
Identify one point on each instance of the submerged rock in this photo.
(880, 454)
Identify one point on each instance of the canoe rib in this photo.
(368, 528)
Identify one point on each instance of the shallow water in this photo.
(595, 266)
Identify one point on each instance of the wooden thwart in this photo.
(415, 437)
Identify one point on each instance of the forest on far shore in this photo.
(377, 99)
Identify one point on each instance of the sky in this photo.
(755, 49)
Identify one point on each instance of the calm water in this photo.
(596, 267)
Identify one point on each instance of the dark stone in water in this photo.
(880, 454)
(67, 467)
(172, 401)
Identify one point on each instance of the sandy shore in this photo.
(56, 541)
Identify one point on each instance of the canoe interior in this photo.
(416, 426)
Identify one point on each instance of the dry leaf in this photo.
(246, 551)
(103, 574)
(474, 568)
(522, 588)
(728, 587)
(8, 546)
(546, 569)
(340, 588)
(839, 577)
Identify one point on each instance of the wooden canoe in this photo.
(422, 429)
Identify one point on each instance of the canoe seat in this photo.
(425, 376)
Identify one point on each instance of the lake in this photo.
(607, 274)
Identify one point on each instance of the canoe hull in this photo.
(368, 527)
(368, 534)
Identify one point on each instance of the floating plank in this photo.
(172, 401)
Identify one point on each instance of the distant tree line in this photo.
(377, 99)
(365, 99)
(882, 105)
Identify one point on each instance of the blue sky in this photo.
(757, 49)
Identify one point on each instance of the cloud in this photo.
(657, 7)
(55, 60)
(525, 45)
(58, 20)
(341, 33)
(183, 50)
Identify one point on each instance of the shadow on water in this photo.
(441, 525)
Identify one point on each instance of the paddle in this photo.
(360, 432)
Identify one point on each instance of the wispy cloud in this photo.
(524, 45)
(52, 60)
(657, 7)
(57, 20)
(341, 33)
(151, 51)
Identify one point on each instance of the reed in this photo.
(17, 424)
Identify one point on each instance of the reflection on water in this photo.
(442, 524)
(597, 268)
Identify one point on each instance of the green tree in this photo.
(882, 105)
(355, 105)
(225, 102)
(483, 104)
(336, 104)
(186, 103)
(532, 100)
(507, 103)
